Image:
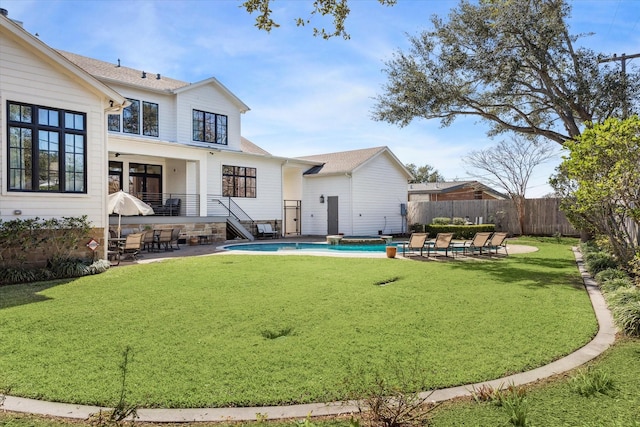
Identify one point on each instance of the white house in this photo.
(166, 140)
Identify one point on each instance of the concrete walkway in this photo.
(604, 338)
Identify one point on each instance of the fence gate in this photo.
(291, 223)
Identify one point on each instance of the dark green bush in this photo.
(610, 273)
(599, 261)
(459, 231)
(622, 296)
(615, 284)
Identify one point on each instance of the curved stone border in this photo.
(603, 339)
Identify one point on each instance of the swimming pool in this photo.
(304, 247)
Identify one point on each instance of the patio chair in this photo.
(132, 245)
(442, 242)
(149, 240)
(498, 241)
(164, 238)
(175, 236)
(170, 208)
(265, 230)
(477, 244)
(416, 242)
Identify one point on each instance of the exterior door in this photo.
(332, 215)
(292, 210)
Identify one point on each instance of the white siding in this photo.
(166, 111)
(314, 213)
(379, 188)
(267, 205)
(27, 77)
(207, 98)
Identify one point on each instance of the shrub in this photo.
(627, 317)
(598, 261)
(614, 284)
(458, 221)
(608, 274)
(622, 296)
(459, 231)
(441, 221)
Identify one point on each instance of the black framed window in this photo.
(47, 149)
(238, 181)
(149, 118)
(115, 176)
(131, 117)
(145, 182)
(209, 127)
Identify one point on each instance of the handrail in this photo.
(231, 208)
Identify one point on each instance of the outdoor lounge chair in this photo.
(442, 242)
(497, 241)
(416, 242)
(265, 230)
(132, 246)
(170, 208)
(477, 244)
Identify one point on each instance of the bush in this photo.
(615, 284)
(627, 317)
(599, 261)
(459, 231)
(441, 221)
(622, 296)
(610, 273)
(458, 221)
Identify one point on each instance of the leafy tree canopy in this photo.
(337, 9)
(511, 63)
(599, 182)
(426, 173)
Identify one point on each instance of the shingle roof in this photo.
(113, 72)
(247, 146)
(341, 162)
(445, 187)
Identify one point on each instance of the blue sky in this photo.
(307, 95)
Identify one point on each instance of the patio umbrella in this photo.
(125, 204)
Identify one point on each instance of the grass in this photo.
(263, 330)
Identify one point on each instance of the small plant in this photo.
(485, 393)
(623, 296)
(513, 400)
(261, 418)
(627, 317)
(599, 261)
(615, 284)
(610, 273)
(589, 382)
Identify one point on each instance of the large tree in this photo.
(508, 165)
(513, 64)
(336, 9)
(426, 173)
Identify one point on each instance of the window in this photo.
(209, 127)
(149, 118)
(115, 177)
(131, 117)
(238, 181)
(113, 122)
(47, 149)
(145, 182)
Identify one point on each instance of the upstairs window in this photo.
(46, 148)
(135, 120)
(238, 181)
(209, 127)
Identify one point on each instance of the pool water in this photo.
(311, 247)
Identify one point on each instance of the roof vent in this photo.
(4, 12)
(118, 66)
(158, 76)
(144, 75)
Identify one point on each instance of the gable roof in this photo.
(347, 161)
(447, 187)
(12, 29)
(116, 73)
(247, 146)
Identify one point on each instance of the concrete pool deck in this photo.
(603, 340)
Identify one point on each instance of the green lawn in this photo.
(204, 331)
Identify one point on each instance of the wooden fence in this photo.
(542, 216)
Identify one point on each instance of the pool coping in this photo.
(604, 338)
